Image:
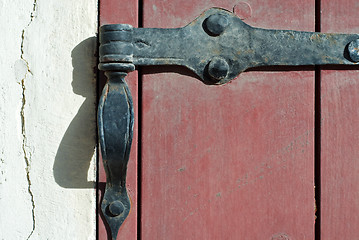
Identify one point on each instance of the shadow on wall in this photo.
(77, 146)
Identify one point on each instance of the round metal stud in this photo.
(353, 49)
(116, 208)
(217, 23)
(218, 68)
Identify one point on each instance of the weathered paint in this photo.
(47, 118)
(232, 161)
(339, 132)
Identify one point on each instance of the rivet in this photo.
(218, 68)
(217, 23)
(353, 49)
(116, 208)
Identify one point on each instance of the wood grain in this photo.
(340, 127)
(232, 161)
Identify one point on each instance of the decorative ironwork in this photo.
(217, 46)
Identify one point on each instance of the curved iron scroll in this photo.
(217, 46)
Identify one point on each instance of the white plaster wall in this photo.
(47, 119)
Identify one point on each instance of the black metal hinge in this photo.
(217, 46)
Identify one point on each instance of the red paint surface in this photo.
(233, 161)
(236, 161)
(111, 12)
(340, 127)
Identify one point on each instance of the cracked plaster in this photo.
(37, 107)
(26, 153)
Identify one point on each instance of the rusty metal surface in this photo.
(217, 46)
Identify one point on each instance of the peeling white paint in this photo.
(47, 114)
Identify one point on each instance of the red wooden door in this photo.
(238, 161)
(339, 131)
(232, 161)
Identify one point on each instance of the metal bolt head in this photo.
(218, 68)
(353, 49)
(217, 23)
(116, 208)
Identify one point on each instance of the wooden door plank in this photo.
(340, 127)
(112, 12)
(232, 161)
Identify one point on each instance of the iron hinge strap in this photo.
(217, 46)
